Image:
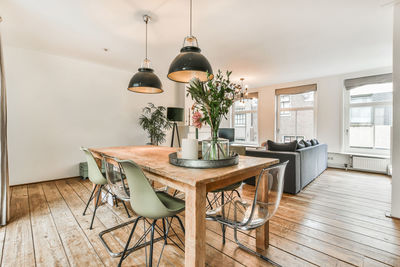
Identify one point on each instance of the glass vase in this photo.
(215, 149)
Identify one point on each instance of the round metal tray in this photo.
(202, 164)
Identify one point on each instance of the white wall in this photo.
(329, 107)
(396, 116)
(57, 104)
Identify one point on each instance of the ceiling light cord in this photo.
(146, 36)
(191, 17)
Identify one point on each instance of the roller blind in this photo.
(296, 90)
(375, 79)
(253, 95)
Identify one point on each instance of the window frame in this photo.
(279, 109)
(346, 125)
(244, 112)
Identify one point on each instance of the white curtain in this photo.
(4, 176)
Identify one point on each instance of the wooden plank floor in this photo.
(338, 220)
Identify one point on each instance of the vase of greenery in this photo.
(213, 99)
(155, 123)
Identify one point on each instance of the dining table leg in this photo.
(262, 233)
(195, 224)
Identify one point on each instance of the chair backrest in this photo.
(116, 178)
(144, 200)
(94, 173)
(265, 206)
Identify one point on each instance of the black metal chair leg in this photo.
(151, 244)
(95, 207)
(165, 231)
(209, 203)
(115, 200)
(126, 209)
(237, 192)
(180, 223)
(90, 199)
(223, 225)
(127, 242)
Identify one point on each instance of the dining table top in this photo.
(155, 159)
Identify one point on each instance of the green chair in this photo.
(98, 179)
(149, 205)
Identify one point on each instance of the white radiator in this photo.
(370, 164)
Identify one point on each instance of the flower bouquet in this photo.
(212, 101)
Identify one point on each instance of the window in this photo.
(295, 114)
(244, 120)
(368, 118)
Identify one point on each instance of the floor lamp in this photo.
(174, 115)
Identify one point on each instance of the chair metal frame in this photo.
(142, 242)
(167, 226)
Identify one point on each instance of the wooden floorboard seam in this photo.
(79, 224)
(30, 221)
(55, 225)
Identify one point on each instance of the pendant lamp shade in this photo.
(145, 81)
(190, 63)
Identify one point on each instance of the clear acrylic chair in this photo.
(116, 182)
(118, 186)
(240, 215)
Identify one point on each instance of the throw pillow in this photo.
(301, 144)
(292, 146)
(313, 142)
(264, 144)
(307, 143)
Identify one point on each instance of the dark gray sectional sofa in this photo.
(304, 165)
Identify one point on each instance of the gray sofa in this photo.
(304, 165)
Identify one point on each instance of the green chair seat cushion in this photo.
(228, 188)
(173, 204)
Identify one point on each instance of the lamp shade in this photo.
(189, 64)
(145, 81)
(175, 114)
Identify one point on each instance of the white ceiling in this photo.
(265, 41)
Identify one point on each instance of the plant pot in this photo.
(215, 149)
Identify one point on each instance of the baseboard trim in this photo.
(389, 215)
(43, 181)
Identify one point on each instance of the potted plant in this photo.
(155, 123)
(212, 101)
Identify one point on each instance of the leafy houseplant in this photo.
(154, 121)
(213, 99)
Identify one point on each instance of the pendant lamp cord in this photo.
(191, 18)
(146, 20)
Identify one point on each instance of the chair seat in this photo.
(173, 204)
(225, 215)
(228, 188)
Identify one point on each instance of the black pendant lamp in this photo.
(190, 63)
(145, 81)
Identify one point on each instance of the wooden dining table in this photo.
(195, 183)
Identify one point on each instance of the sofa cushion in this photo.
(273, 146)
(313, 142)
(301, 144)
(307, 143)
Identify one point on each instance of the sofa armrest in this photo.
(314, 161)
(292, 183)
